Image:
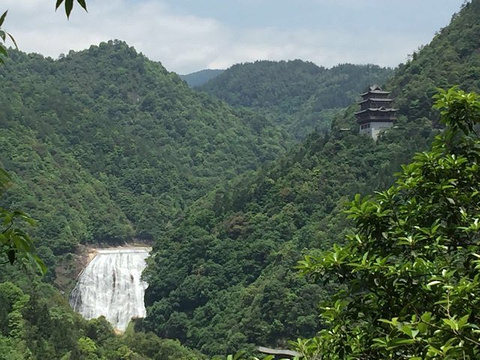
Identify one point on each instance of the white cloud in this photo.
(327, 48)
(186, 43)
(180, 42)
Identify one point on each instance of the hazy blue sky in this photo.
(190, 35)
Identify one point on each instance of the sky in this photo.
(191, 35)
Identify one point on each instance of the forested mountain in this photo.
(227, 269)
(298, 95)
(230, 260)
(106, 146)
(452, 58)
(200, 77)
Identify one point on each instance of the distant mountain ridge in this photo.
(199, 78)
(298, 95)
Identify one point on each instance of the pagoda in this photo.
(376, 112)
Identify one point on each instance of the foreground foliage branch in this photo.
(16, 244)
(411, 269)
(69, 5)
(5, 35)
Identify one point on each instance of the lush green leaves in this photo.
(134, 148)
(414, 255)
(4, 36)
(36, 322)
(293, 207)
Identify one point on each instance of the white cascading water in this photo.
(111, 286)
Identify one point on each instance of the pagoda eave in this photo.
(384, 120)
(384, 111)
(376, 92)
(374, 99)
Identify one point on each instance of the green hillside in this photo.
(452, 58)
(224, 277)
(105, 145)
(298, 95)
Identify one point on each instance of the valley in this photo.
(230, 184)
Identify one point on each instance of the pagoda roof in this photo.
(375, 89)
(374, 99)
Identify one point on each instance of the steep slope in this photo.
(452, 58)
(38, 323)
(106, 145)
(299, 95)
(223, 278)
(229, 262)
(200, 77)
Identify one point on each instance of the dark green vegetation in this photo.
(68, 4)
(36, 322)
(105, 145)
(223, 277)
(3, 39)
(200, 77)
(298, 95)
(412, 266)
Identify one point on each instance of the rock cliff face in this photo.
(111, 286)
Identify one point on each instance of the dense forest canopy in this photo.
(232, 255)
(133, 147)
(104, 146)
(452, 58)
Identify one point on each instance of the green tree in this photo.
(411, 269)
(87, 349)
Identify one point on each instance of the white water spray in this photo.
(110, 285)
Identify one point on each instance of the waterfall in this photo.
(110, 285)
